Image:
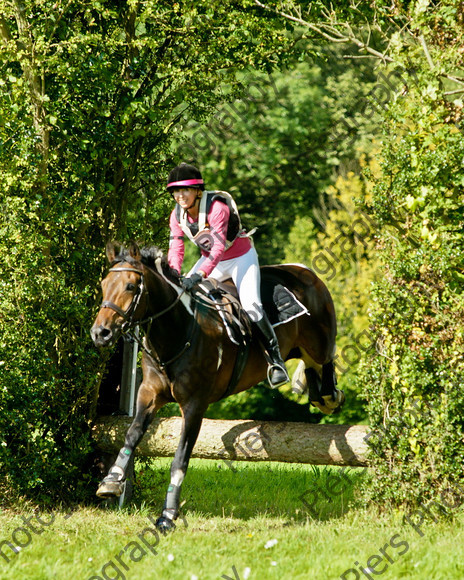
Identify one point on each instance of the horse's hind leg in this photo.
(320, 383)
(191, 424)
(333, 398)
(147, 405)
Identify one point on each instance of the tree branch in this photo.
(4, 31)
(457, 92)
(426, 51)
(330, 32)
(458, 80)
(34, 81)
(58, 20)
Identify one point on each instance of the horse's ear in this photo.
(111, 252)
(134, 251)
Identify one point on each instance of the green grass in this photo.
(231, 516)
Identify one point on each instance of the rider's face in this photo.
(185, 196)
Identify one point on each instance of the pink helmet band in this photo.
(186, 183)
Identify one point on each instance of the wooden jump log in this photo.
(245, 440)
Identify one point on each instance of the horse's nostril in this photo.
(105, 333)
(101, 335)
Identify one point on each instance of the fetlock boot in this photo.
(276, 373)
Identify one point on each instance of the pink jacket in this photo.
(218, 219)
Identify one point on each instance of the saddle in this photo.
(279, 303)
(223, 297)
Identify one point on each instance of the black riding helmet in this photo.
(185, 175)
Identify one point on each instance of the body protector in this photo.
(199, 232)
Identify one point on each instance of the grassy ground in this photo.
(258, 521)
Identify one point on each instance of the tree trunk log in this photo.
(245, 440)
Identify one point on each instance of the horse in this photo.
(189, 358)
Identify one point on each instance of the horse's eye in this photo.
(130, 287)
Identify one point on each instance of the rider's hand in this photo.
(191, 281)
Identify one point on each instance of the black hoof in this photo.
(165, 525)
(341, 401)
(338, 409)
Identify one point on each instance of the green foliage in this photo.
(418, 204)
(341, 250)
(417, 306)
(94, 96)
(262, 404)
(414, 383)
(89, 95)
(48, 372)
(277, 148)
(250, 503)
(283, 142)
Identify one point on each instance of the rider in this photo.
(210, 219)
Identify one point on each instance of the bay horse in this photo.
(188, 357)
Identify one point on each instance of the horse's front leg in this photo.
(192, 417)
(147, 405)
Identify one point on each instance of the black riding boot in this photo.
(277, 373)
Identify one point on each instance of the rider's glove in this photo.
(191, 281)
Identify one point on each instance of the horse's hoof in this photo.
(331, 405)
(340, 401)
(108, 489)
(165, 525)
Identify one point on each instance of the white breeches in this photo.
(245, 274)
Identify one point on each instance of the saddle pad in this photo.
(287, 306)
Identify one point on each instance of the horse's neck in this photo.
(176, 321)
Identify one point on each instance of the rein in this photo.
(127, 327)
(158, 314)
(211, 304)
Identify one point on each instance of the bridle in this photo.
(127, 314)
(129, 324)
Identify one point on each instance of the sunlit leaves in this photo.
(90, 93)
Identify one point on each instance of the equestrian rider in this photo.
(210, 219)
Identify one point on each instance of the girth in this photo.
(235, 321)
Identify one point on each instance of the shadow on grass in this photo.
(248, 490)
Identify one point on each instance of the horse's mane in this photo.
(152, 253)
(149, 256)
